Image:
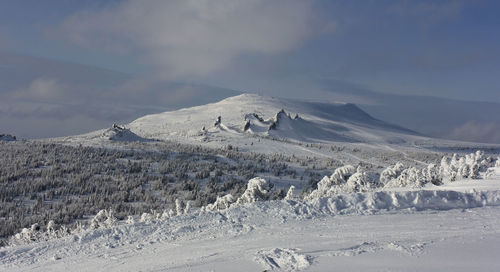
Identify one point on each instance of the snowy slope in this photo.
(266, 116)
(452, 227)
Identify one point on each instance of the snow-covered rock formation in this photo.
(121, 133)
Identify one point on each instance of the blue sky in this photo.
(447, 49)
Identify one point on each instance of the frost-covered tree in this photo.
(220, 203)
(391, 172)
(146, 218)
(409, 177)
(359, 182)
(36, 233)
(432, 174)
(257, 190)
(187, 209)
(329, 186)
(291, 193)
(468, 166)
(51, 229)
(103, 219)
(27, 235)
(178, 207)
(130, 220)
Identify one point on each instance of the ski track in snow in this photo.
(405, 154)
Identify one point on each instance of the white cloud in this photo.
(195, 37)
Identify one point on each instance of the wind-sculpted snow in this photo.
(282, 259)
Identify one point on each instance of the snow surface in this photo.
(453, 227)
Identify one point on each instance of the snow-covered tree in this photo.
(409, 177)
(468, 166)
(359, 181)
(257, 190)
(178, 206)
(187, 209)
(329, 186)
(103, 219)
(291, 193)
(432, 174)
(27, 235)
(391, 172)
(220, 203)
(130, 220)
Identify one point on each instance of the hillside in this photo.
(251, 114)
(452, 227)
(263, 124)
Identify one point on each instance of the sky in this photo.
(117, 59)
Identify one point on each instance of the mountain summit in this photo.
(251, 115)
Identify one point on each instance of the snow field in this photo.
(273, 235)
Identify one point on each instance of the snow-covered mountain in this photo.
(248, 116)
(270, 125)
(447, 118)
